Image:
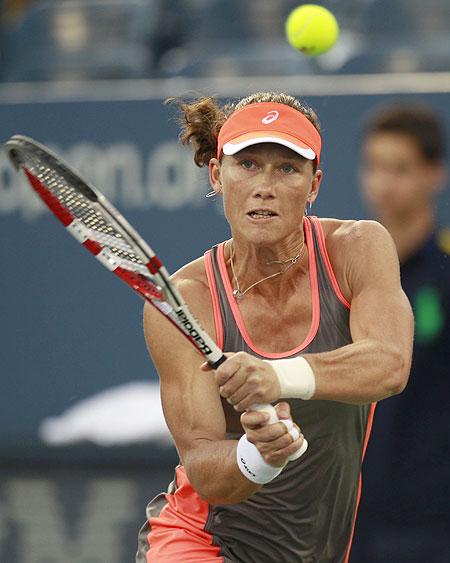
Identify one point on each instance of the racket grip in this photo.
(273, 418)
(268, 409)
(217, 363)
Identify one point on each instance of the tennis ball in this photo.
(311, 29)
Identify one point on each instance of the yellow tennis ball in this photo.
(312, 29)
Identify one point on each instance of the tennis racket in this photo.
(100, 228)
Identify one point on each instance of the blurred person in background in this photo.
(405, 509)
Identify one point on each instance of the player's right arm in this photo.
(194, 413)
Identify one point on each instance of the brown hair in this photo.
(202, 119)
(416, 121)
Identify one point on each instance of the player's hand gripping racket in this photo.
(100, 228)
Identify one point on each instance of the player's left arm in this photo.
(377, 364)
(374, 366)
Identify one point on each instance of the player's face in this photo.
(395, 178)
(265, 189)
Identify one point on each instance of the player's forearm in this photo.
(359, 373)
(214, 473)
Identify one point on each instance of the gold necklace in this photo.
(238, 294)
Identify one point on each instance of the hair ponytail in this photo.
(200, 122)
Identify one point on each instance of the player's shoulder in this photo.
(191, 276)
(355, 234)
(192, 283)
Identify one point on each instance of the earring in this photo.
(212, 193)
(306, 208)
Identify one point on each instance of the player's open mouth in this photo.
(261, 214)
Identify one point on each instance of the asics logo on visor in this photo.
(271, 116)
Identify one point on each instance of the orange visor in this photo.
(269, 122)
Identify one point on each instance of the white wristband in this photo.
(296, 378)
(252, 464)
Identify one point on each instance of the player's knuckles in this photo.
(253, 378)
(251, 373)
(246, 363)
(240, 359)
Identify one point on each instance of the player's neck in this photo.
(409, 233)
(252, 267)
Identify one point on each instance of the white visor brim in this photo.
(233, 148)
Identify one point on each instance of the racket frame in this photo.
(173, 307)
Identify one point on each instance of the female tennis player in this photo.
(312, 317)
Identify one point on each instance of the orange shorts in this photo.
(177, 534)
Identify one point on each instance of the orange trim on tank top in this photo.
(358, 498)
(218, 323)
(314, 296)
(327, 262)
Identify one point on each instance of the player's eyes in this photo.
(288, 168)
(250, 164)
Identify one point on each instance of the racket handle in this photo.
(216, 364)
(268, 409)
(273, 417)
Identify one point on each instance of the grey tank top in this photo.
(307, 513)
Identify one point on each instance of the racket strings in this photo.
(95, 224)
